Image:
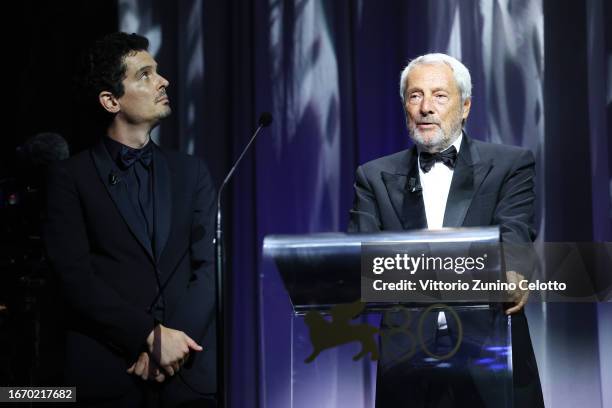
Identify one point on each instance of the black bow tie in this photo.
(448, 157)
(128, 156)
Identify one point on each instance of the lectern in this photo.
(433, 345)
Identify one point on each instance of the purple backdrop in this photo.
(329, 71)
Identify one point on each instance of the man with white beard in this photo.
(450, 180)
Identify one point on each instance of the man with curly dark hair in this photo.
(129, 233)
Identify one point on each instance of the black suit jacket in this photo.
(492, 184)
(110, 272)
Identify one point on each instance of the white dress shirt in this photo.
(436, 185)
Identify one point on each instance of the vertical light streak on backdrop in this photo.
(598, 90)
(577, 170)
(190, 80)
(306, 102)
(305, 97)
(600, 102)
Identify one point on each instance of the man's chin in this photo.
(165, 113)
(162, 115)
(427, 141)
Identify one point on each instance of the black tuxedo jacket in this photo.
(110, 272)
(492, 184)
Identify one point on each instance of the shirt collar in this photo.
(457, 142)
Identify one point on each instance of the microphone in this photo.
(113, 179)
(265, 119)
(414, 186)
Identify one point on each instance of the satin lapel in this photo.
(469, 174)
(163, 200)
(408, 205)
(119, 194)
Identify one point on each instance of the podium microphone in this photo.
(414, 186)
(264, 120)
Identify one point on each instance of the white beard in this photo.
(440, 140)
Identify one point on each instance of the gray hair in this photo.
(460, 72)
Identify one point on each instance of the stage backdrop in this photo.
(329, 73)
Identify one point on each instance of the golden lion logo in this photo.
(325, 334)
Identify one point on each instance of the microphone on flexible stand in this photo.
(113, 178)
(414, 186)
(264, 120)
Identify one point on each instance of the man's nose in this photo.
(163, 82)
(426, 106)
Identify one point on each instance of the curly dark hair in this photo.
(103, 66)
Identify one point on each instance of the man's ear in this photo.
(467, 104)
(109, 102)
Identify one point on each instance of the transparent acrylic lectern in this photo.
(441, 349)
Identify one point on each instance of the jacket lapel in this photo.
(407, 202)
(163, 200)
(112, 178)
(467, 177)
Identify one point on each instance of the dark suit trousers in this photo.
(460, 391)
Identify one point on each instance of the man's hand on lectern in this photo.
(518, 296)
